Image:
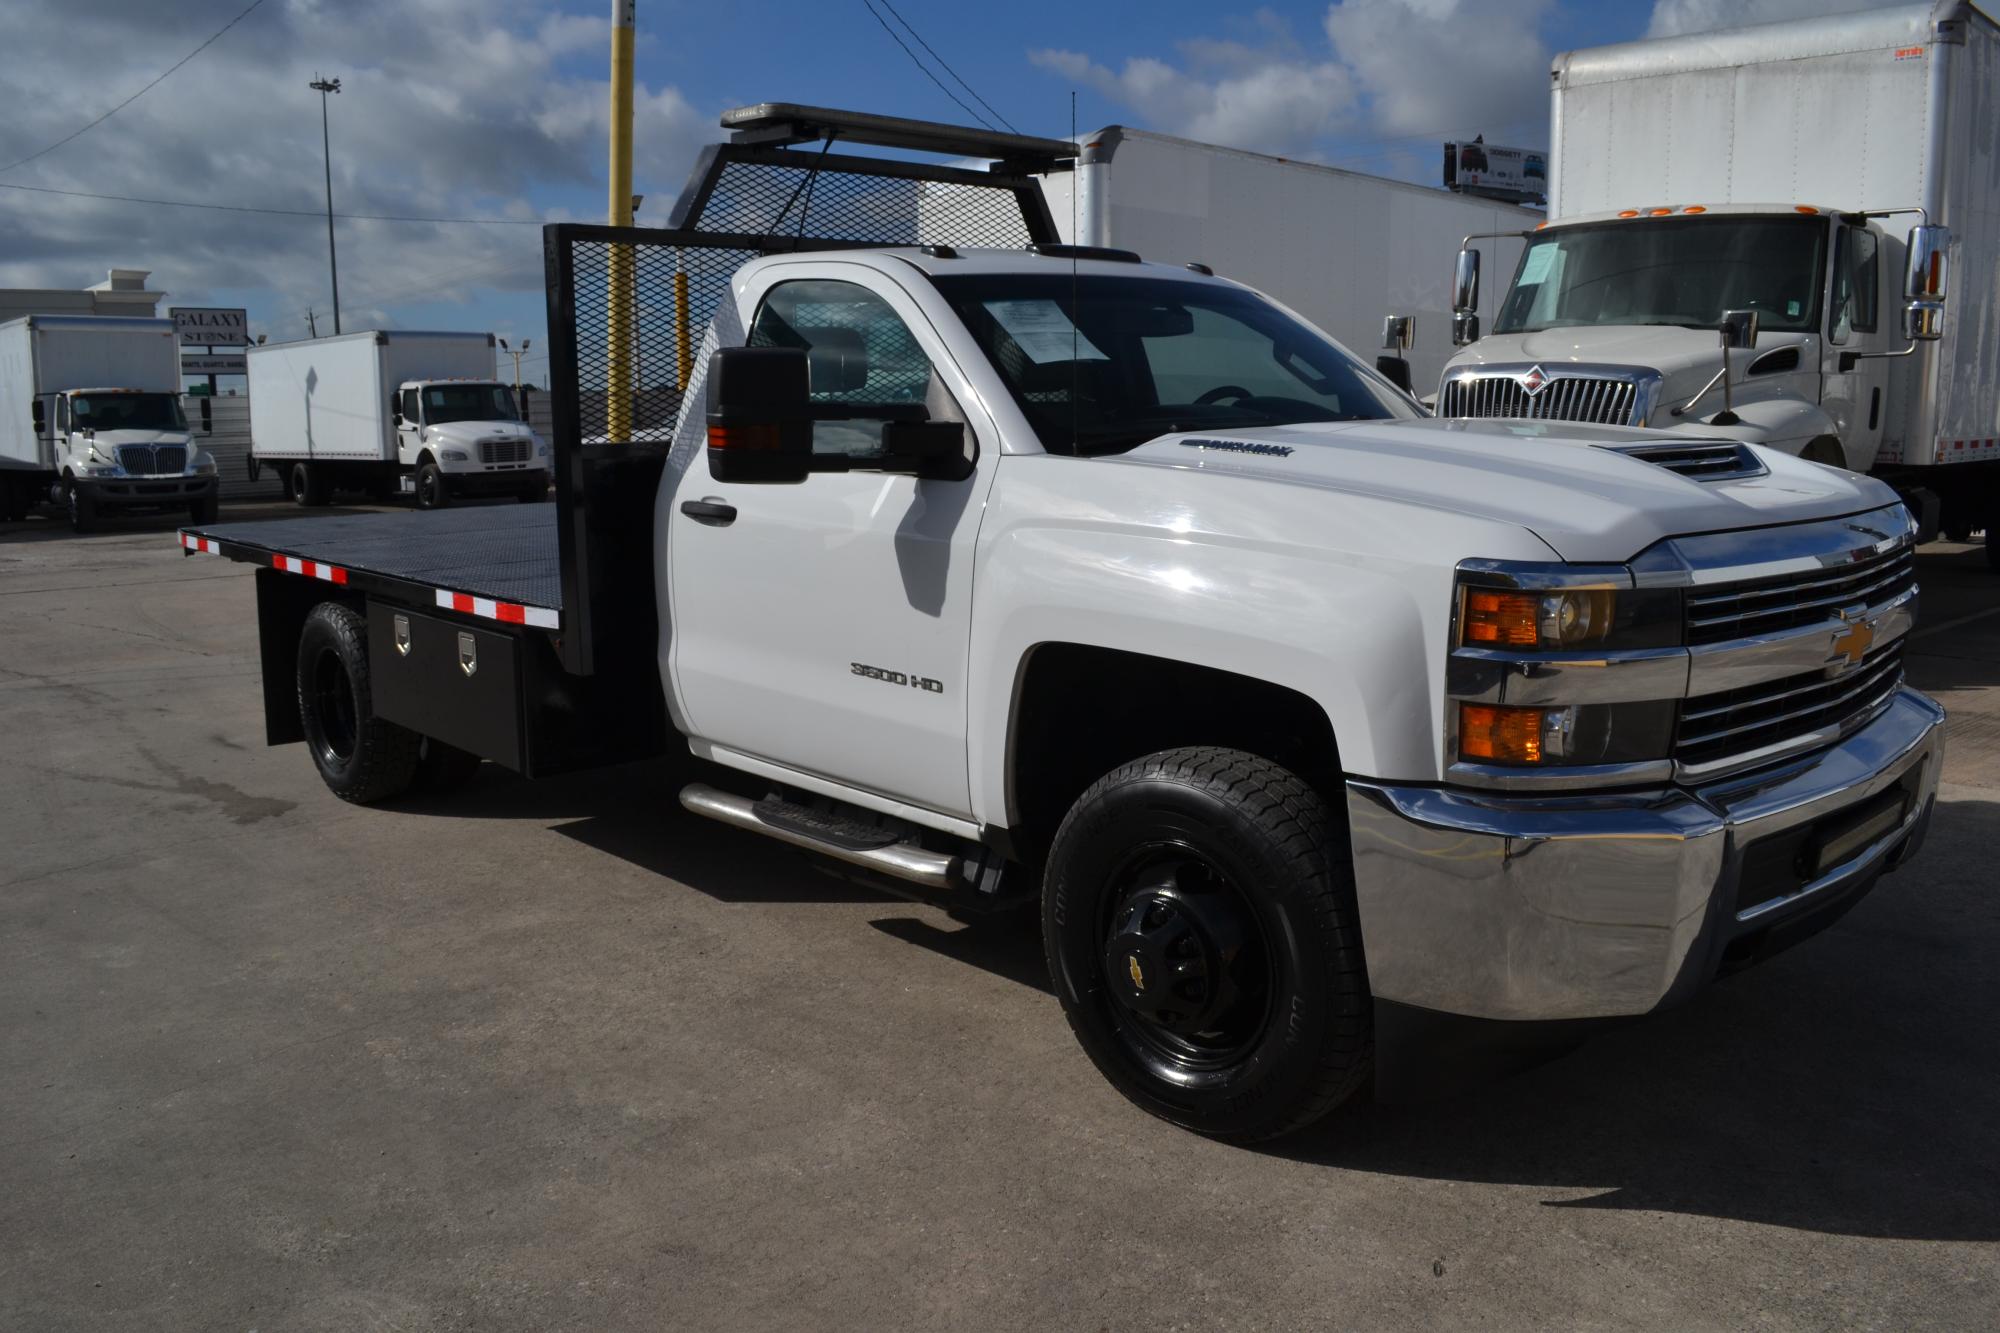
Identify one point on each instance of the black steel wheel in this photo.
(360, 757)
(430, 486)
(1200, 923)
(82, 505)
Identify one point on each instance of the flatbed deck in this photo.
(499, 562)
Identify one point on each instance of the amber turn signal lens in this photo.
(1502, 619)
(1490, 734)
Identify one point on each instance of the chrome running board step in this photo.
(854, 841)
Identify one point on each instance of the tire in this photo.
(205, 510)
(310, 486)
(430, 486)
(1959, 533)
(360, 757)
(1231, 871)
(1993, 543)
(82, 508)
(443, 768)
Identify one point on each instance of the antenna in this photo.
(1075, 309)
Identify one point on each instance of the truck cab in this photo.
(120, 448)
(464, 437)
(1611, 318)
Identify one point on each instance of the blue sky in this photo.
(496, 108)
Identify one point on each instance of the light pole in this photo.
(323, 87)
(517, 353)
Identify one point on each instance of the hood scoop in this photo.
(1701, 460)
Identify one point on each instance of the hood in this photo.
(1565, 483)
(472, 432)
(111, 439)
(1684, 358)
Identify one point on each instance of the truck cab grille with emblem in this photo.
(145, 460)
(1557, 397)
(1721, 460)
(1742, 721)
(1764, 606)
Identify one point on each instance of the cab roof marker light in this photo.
(1805, 208)
(1695, 208)
(1628, 212)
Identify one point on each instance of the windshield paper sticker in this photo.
(1536, 267)
(1044, 332)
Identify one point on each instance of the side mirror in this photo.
(1465, 284)
(1738, 329)
(1464, 328)
(759, 415)
(1923, 321)
(931, 450)
(1926, 264)
(40, 418)
(1399, 332)
(1397, 371)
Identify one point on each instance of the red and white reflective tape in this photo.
(508, 613)
(312, 569)
(1958, 451)
(193, 543)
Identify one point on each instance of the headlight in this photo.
(203, 464)
(100, 469)
(1562, 666)
(454, 456)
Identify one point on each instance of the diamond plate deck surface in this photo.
(507, 552)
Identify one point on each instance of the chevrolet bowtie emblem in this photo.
(1851, 645)
(1138, 975)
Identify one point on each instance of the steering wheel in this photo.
(1221, 392)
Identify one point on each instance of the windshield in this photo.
(127, 411)
(468, 402)
(1111, 362)
(1684, 271)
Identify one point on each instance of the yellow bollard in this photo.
(681, 328)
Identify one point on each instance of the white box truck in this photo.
(1341, 248)
(90, 418)
(1776, 172)
(420, 413)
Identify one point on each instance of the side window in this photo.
(860, 355)
(410, 406)
(62, 414)
(1854, 285)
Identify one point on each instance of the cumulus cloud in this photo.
(448, 108)
(1227, 93)
(1672, 18)
(1414, 68)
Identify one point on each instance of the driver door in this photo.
(823, 627)
(1852, 390)
(409, 426)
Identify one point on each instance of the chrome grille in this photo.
(146, 460)
(1742, 721)
(1593, 399)
(1763, 606)
(504, 451)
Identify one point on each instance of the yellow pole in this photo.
(681, 342)
(623, 307)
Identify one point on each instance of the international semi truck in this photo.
(1324, 735)
(391, 412)
(90, 419)
(1790, 232)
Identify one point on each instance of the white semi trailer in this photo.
(420, 413)
(1783, 173)
(90, 418)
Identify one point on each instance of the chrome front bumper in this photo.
(1596, 906)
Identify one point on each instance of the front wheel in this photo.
(430, 486)
(1201, 930)
(360, 757)
(82, 508)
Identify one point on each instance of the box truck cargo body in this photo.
(1339, 247)
(391, 411)
(90, 417)
(1775, 169)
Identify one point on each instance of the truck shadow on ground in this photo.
(1847, 1086)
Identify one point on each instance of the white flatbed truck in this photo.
(1325, 734)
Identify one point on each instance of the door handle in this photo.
(714, 513)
